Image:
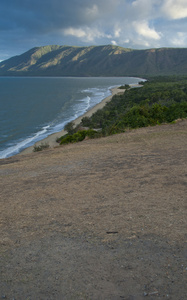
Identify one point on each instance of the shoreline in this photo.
(51, 139)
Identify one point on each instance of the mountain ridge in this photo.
(107, 60)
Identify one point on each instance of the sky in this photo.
(136, 24)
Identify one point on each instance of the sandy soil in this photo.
(100, 219)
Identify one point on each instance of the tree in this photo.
(69, 127)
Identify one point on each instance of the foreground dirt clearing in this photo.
(102, 219)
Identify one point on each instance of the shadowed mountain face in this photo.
(95, 61)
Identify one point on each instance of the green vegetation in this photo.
(69, 127)
(160, 100)
(40, 147)
(79, 136)
(125, 87)
(105, 60)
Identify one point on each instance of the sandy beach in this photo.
(51, 139)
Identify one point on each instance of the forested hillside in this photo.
(96, 61)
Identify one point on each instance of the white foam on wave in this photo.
(82, 106)
(97, 95)
(15, 149)
(93, 97)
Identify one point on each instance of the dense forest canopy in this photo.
(159, 100)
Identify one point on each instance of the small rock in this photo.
(145, 294)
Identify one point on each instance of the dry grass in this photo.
(106, 217)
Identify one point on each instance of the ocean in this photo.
(31, 108)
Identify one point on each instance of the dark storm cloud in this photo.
(44, 15)
(34, 22)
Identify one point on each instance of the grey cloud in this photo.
(46, 15)
(28, 23)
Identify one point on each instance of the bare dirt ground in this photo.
(101, 219)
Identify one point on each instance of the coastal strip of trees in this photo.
(159, 100)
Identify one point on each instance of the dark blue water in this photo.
(33, 108)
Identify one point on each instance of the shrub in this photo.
(78, 136)
(69, 127)
(86, 121)
(124, 87)
(40, 147)
(91, 133)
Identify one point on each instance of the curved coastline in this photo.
(51, 139)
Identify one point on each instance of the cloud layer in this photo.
(128, 23)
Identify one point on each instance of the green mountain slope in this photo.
(96, 61)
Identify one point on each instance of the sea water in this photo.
(31, 108)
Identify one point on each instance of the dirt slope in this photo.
(102, 219)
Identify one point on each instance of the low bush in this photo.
(124, 87)
(78, 136)
(40, 147)
(70, 128)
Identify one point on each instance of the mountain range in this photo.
(105, 60)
